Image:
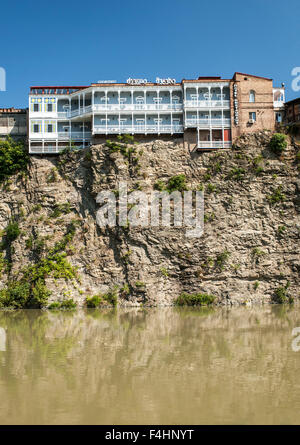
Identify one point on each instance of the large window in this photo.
(252, 116)
(36, 128)
(36, 107)
(252, 96)
(49, 108)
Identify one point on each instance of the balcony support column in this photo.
(93, 113)
(171, 102)
(119, 94)
(132, 111)
(210, 127)
(83, 134)
(158, 115)
(105, 111)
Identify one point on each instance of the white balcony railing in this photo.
(278, 104)
(47, 149)
(206, 123)
(62, 114)
(142, 129)
(74, 135)
(79, 111)
(207, 103)
(214, 144)
(137, 107)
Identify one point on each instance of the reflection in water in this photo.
(2, 339)
(149, 366)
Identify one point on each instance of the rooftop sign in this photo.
(131, 81)
(158, 80)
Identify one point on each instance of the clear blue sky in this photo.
(65, 42)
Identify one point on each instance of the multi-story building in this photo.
(292, 113)
(13, 122)
(208, 112)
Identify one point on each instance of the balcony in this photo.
(213, 144)
(79, 111)
(207, 103)
(138, 107)
(207, 123)
(141, 129)
(40, 149)
(62, 114)
(278, 104)
(74, 135)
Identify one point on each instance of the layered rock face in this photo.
(250, 244)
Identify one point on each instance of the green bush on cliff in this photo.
(109, 298)
(175, 183)
(22, 294)
(276, 196)
(199, 299)
(278, 143)
(281, 295)
(28, 288)
(14, 158)
(68, 304)
(12, 231)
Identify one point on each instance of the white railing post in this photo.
(171, 102)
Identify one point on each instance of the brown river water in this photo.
(150, 366)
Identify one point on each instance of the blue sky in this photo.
(78, 42)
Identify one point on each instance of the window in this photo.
(252, 116)
(36, 128)
(49, 108)
(252, 96)
(36, 107)
(49, 128)
(278, 117)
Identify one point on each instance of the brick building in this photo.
(256, 104)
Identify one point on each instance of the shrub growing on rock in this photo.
(177, 183)
(12, 231)
(281, 295)
(278, 143)
(199, 299)
(14, 158)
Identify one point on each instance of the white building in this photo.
(65, 116)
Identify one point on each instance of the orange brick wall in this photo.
(263, 105)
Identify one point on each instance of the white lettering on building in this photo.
(131, 81)
(167, 81)
(235, 104)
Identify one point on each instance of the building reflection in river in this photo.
(150, 366)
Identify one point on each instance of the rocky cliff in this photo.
(250, 245)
